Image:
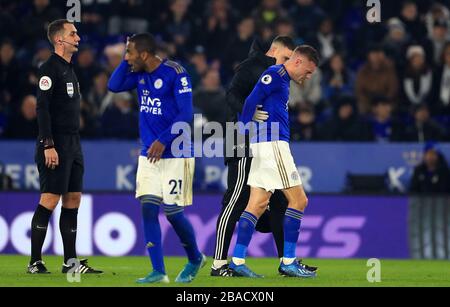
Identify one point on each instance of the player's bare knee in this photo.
(49, 201)
(71, 200)
(257, 208)
(303, 203)
(299, 203)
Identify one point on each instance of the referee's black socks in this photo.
(68, 227)
(39, 225)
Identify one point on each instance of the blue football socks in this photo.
(292, 221)
(246, 227)
(185, 231)
(152, 231)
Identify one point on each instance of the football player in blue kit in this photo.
(165, 174)
(273, 167)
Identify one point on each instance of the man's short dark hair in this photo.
(309, 52)
(380, 99)
(419, 107)
(283, 21)
(408, 2)
(286, 41)
(144, 42)
(55, 27)
(7, 41)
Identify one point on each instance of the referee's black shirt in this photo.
(247, 75)
(58, 99)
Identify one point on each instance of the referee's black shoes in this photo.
(82, 268)
(223, 271)
(37, 267)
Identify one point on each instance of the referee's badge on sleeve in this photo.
(45, 83)
(70, 89)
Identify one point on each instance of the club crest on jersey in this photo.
(70, 90)
(158, 84)
(45, 83)
(266, 79)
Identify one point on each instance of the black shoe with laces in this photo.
(223, 271)
(82, 268)
(309, 268)
(305, 266)
(37, 267)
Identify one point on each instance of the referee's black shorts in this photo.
(68, 175)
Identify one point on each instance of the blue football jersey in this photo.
(165, 98)
(272, 92)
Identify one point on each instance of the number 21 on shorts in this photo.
(176, 186)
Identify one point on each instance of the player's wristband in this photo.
(47, 143)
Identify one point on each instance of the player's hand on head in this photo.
(51, 158)
(127, 43)
(260, 115)
(155, 151)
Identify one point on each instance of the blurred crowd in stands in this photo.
(377, 82)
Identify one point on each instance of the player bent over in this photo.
(273, 166)
(163, 179)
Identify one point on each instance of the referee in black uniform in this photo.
(238, 193)
(58, 155)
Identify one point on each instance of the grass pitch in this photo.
(123, 271)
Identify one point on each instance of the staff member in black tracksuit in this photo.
(58, 155)
(237, 195)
